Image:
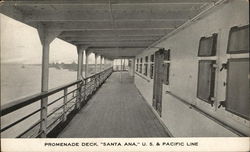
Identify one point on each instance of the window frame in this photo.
(152, 58)
(136, 65)
(145, 69)
(146, 59)
(166, 55)
(140, 68)
(145, 66)
(151, 75)
(214, 38)
(212, 85)
(166, 77)
(226, 103)
(236, 28)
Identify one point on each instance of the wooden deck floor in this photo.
(116, 110)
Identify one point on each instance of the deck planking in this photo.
(116, 110)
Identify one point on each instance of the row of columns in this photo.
(104, 62)
(46, 37)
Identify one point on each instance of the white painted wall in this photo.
(179, 118)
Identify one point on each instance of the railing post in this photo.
(84, 91)
(79, 98)
(96, 82)
(43, 117)
(65, 92)
(93, 84)
(98, 79)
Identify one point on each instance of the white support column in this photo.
(80, 62)
(79, 76)
(104, 63)
(87, 53)
(121, 64)
(80, 51)
(113, 64)
(46, 37)
(124, 64)
(133, 67)
(100, 63)
(96, 56)
(107, 63)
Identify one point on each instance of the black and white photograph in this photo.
(124, 75)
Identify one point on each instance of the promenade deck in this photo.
(116, 110)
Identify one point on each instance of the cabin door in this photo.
(158, 80)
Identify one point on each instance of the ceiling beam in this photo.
(119, 20)
(158, 6)
(130, 49)
(112, 47)
(83, 25)
(108, 29)
(127, 43)
(83, 15)
(114, 33)
(92, 2)
(68, 16)
(161, 1)
(69, 37)
(115, 45)
(112, 39)
(154, 14)
(117, 52)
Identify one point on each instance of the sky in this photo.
(20, 43)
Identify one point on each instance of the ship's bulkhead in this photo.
(197, 79)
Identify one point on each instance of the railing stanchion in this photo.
(95, 82)
(78, 99)
(65, 104)
(85, 86)
(99, 83)
(80, 96)
(43, 117)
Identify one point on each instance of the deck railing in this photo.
(79, 96)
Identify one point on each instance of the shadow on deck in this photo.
(116, 110)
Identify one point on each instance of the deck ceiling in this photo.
(113, 28)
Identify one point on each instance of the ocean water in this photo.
(18, 81)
